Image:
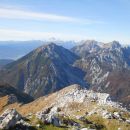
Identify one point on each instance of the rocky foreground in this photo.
(70, 108)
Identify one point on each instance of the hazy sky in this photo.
(103, 20)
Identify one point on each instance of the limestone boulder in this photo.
(9, 118)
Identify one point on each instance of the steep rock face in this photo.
(107, 67)
(44, 70)
(112, 55)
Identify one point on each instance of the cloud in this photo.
(18, 35)
(11, 34)
(28, 15)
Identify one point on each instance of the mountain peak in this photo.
(45, 70)
(115, 44)
(51, 44)
(87, 47)
(90, 42)
(47, 46)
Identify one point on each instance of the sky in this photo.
(101, 20)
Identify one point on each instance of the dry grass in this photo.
(72, 109)
(110, 124)
(3, 102)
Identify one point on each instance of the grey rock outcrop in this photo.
(116, 115)
(87, 129)
(22, 122)
(49, 116)
(82, 95)
(9, 118)
(128, 121)
(107, 115)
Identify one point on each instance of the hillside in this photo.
(43, 71)
(72, 108)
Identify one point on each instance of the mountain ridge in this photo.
(107, 67)
(94, 65)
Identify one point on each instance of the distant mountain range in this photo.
(17, 49)
(98, 66)
(4, 62)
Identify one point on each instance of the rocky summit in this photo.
(73, 108)
(9, 118)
